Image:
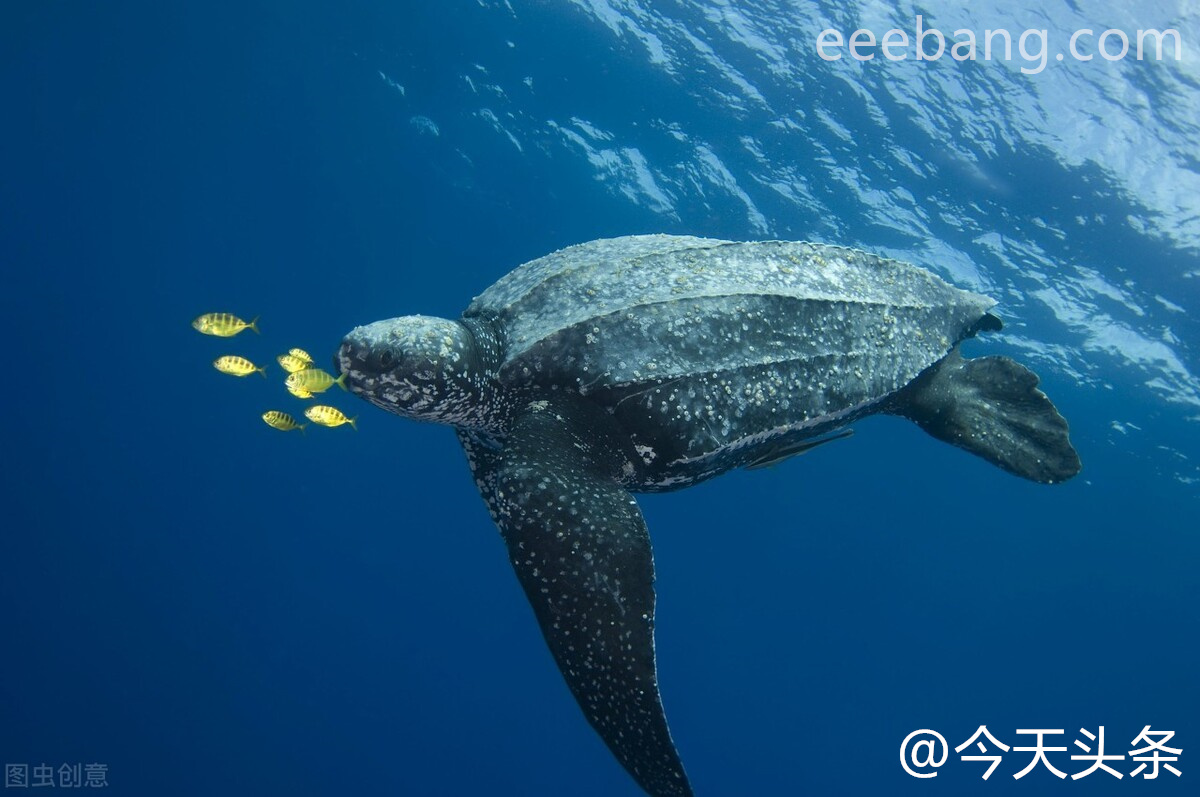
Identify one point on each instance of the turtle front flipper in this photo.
(580, 549)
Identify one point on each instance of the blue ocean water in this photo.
(203, 605)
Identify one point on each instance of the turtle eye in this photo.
(386, 358)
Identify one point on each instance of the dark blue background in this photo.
(209, 606)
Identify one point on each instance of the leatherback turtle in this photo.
(651, 363)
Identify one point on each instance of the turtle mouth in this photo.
(351, 361)
(342, 360)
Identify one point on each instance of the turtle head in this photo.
(417, 366)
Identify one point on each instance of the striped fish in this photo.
(314, 380)
(329, 416)
(282, 421)
(223, 325)
(291, 363)
(237, 366)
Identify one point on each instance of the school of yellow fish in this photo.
(304, 379)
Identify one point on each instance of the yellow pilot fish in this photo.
(299, 392)
(301, 354)
(237, 366)
(291, 363)
(282, 421)
(314, 380)
(223, 325)
(329, 416)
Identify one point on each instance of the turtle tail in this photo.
(991, 407)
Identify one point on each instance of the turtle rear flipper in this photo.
(991, 407)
